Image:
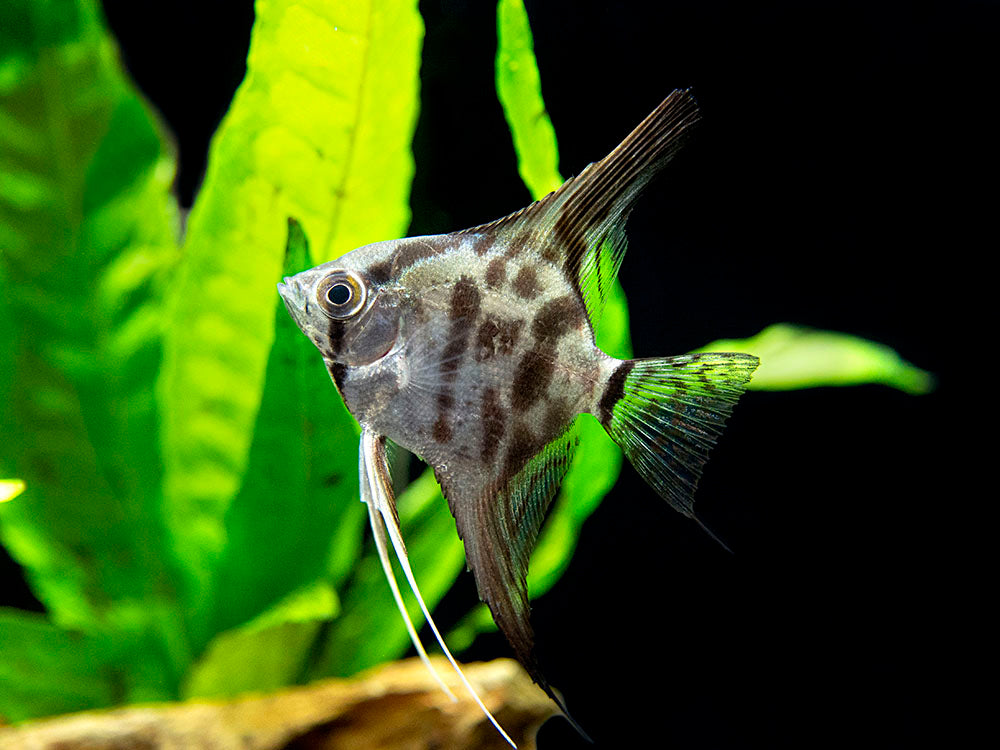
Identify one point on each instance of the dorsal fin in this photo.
(581, 226)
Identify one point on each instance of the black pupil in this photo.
(339, 294)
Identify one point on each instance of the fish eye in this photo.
(341, 294)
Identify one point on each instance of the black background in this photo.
(836, 181)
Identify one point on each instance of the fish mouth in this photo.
(292, 295)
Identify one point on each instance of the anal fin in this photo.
(499, 522)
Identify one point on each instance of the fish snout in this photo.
(293, 296)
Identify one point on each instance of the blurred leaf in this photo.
(798, 357)
(297, 517)
(268, 652)
(320, 129)
(369, 629)
(87, 236)
(519, 89)
(46, 670)
(598, 460)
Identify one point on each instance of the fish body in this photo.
(480, 367)
(476, 351)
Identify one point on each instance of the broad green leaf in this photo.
(297, 517)
(320, 129)
(598, 460)
(45, 670)
(520, 91)
(369, 629)
(86, 242)
(794, 356)
(269, 652)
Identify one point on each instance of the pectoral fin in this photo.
(376, 492)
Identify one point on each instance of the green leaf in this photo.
(268, 652)
(46, 670)
(87, 235)
(297, 517)
(519, 89)
(320, 129)
(369, 629)
(794, 356)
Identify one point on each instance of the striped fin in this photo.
(376, 492)
(666, 414)
(499, 526)
(581, 226)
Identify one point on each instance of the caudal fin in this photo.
(666, 414)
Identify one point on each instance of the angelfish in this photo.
(475, 351)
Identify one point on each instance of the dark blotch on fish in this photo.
(482, 245)
(335, 335)
(380, 273)
(451, 357)
(558, 414)
(614, 390)
(485, 348)
(496, 337)
(526, 283)
(337, 371)
(523, 446)
(465, 299)
(441, 432)
(493, 425)
(534, 373)
(412, 253)
(496, 273)
(557, 317)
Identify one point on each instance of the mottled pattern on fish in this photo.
(475, 350)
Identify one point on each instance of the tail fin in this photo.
(666, 414)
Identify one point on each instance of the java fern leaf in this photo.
(296, 520)
(794, 356)
(320, 130)
(48, 670)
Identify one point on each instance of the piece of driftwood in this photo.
(397, 706)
